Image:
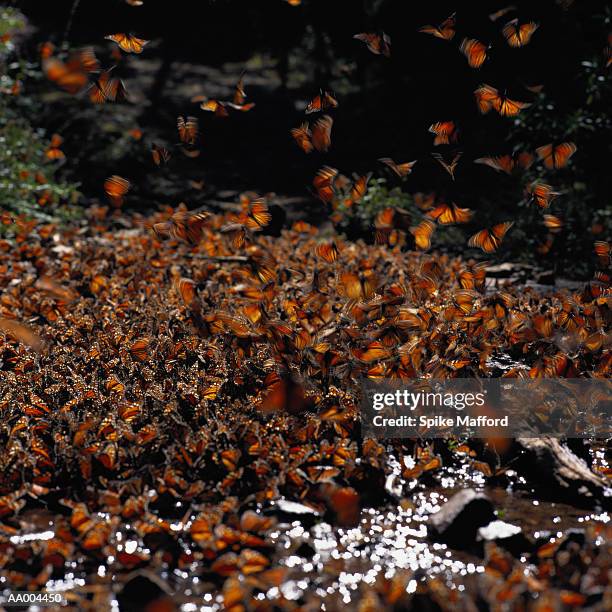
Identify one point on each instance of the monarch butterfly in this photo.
(447, 215)
(23, 334)
(393, 217)
(321, 102)
(358, 286)
(54, 152)
(542, 194)
(327, 251)
(184, 225)
(422, 234)
(401, 169)
(424, 201)
(324, 183)
(504, 11)
(107, 89)
(284, 393)
(116, 187)
(389, 222)
(475, 52)
(160, 155)
(187, 129)
(216, 107)
(321, 133)
(46, 50)
(518, 35)
(186, 288)
(128, 42)
(257, 215)
(446, 30)
(448, 166)
(239, 94)
(71, 76)
(445, 131)
(474, 276)
(379, 44)
(556, 156)
(490, 240)
(359, 188)
(603, 250)
(507, 107)
(98, 284)
(52, 287)
(507, 163)
(139, 349)
(554, 224)
(302, 136)
(488, 97)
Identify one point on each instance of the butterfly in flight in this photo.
(401, 169)
(503, 11)
(446, 214)
(188, 131)
(73, 75)
(448, 166)
(422, 234)
(541, 194)
(327, 251)
(379, 44)
(517, 34)
(475, 51)
(603, 252)
(318, 137)
(184, 225)
(556, 156)
(107, 88)
(445, 131)
(507, 163)
(239, 100)
(488, 97)
(54, 152)
(128, 42)
(489, 240)
(322, 102)
(553, 223)
(160, 154)
(446, 30)
(115, 188)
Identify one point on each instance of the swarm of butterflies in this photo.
(165, 386)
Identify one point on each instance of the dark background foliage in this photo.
(386, 106)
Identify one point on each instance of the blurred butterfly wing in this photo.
(475, 52)
(302, 136)
(321, 133)
(127, 42)
(422, 234)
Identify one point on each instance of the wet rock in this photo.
(458, 521)
(143, 591)
(506, 535)
(288, 511)
(506, 269)
(546, 277)
(561, 474)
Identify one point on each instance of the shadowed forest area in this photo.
(220, 220)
